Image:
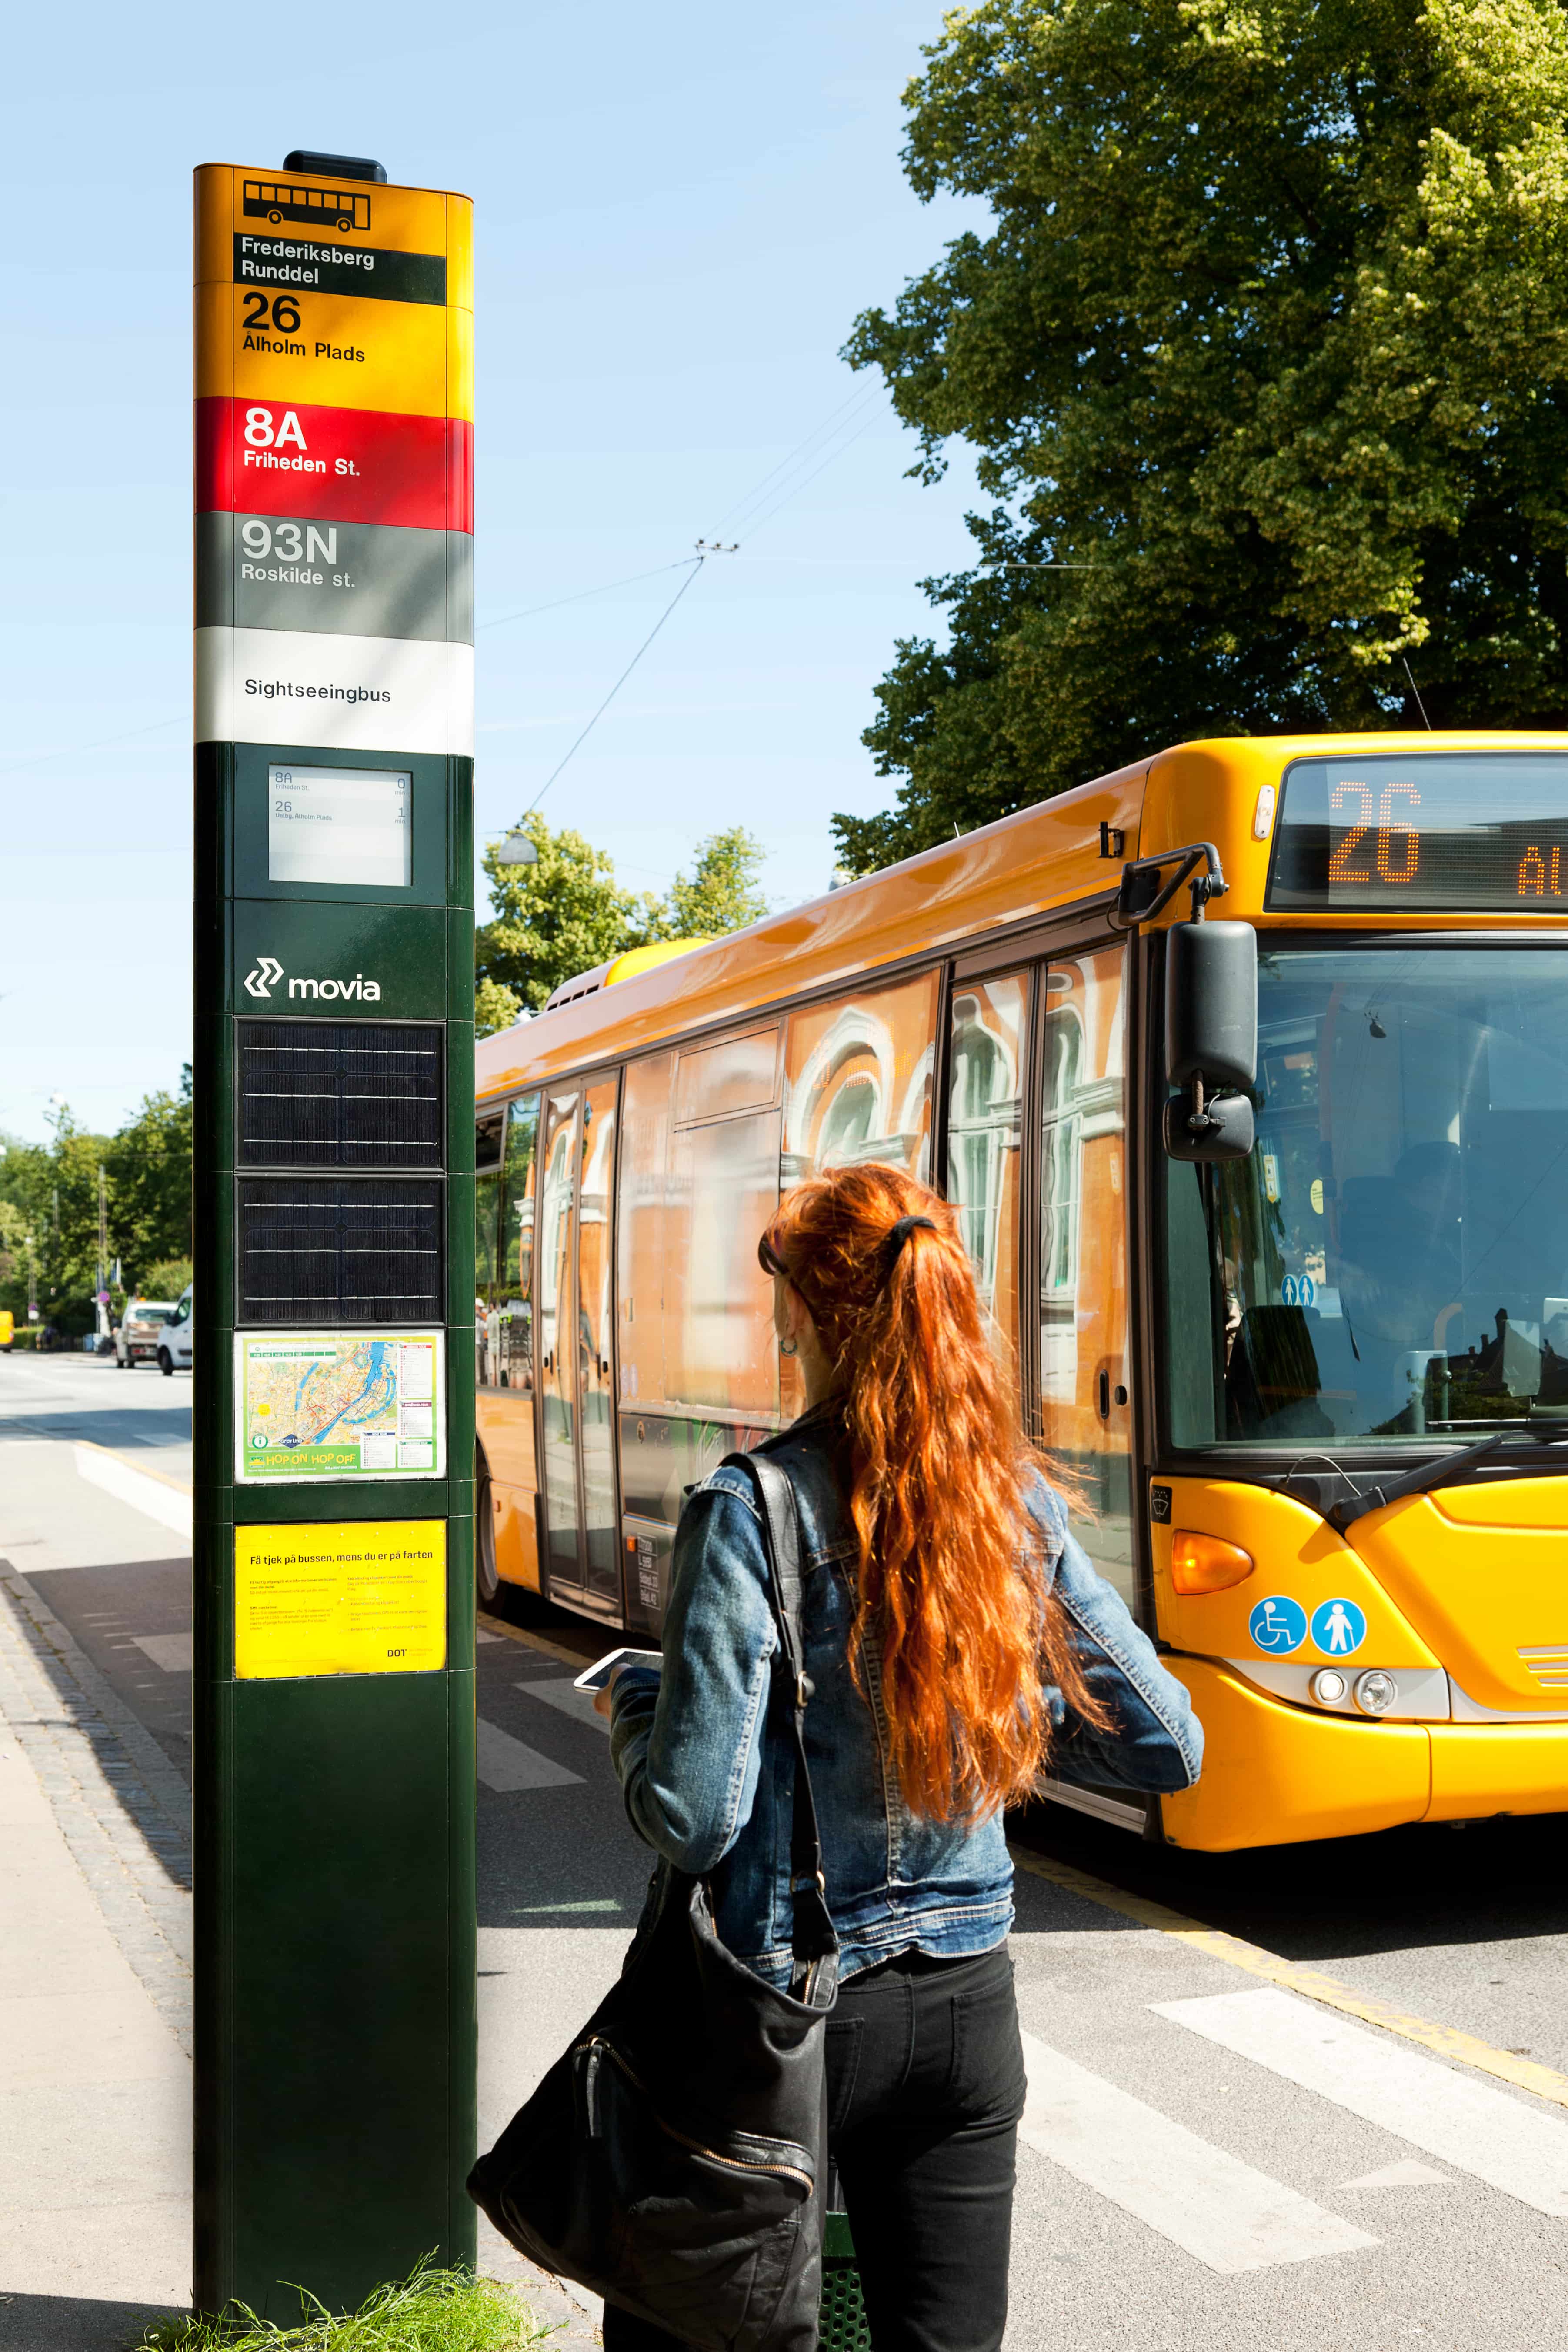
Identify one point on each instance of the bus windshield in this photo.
(1392, 1262)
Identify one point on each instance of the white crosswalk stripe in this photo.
(564, 1694)
(506, 1764)
(1211, 2204)
(1480, 2131)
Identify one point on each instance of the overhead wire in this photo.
(696, 562)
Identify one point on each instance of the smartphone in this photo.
(598, 1676)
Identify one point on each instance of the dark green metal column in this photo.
(334, 1804)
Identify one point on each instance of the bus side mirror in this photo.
(1211, 1038)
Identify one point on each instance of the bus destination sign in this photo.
(1457, 830)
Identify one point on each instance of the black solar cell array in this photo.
(333, 1248)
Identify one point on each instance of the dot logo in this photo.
(1338, 1628)
(1277, 1625)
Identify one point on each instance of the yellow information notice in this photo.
(355, 1597)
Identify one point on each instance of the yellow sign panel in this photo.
(360, 1597)
(334, 351)
(239, 200)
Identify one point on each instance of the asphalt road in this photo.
(1208, 2158)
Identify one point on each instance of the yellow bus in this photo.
(1246, 1069)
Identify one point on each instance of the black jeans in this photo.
(925, 2087)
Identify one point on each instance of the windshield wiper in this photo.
(1446, 1471)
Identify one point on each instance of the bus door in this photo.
(557, 1353)
(575, 1317)
(1037, 1170)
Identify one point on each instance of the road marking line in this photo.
(506, 1764)
(1215, 2207)
(174, 1653)
(578, 1704)
(154, 1497)
(1462, 2122)
(1446, 2040)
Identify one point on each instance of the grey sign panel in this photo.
(341, 579)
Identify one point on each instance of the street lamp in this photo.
(517, 850)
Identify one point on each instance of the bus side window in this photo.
(490, 1144)
(513, 1293)
(857, 1081)
(640, 1239)
(723, 1186)
(984, 1138)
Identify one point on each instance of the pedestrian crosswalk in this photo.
(1216, 2207)
(1230, 2217)
(1468, 2124)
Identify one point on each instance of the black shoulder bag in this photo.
(674, 2161)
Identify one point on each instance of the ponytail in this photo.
(950, 1596)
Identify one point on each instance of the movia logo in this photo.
(267, 971)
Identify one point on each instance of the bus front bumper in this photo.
(1275, 1774)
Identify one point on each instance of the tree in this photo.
(567, 913)
(148, 1165)
(1269, 343)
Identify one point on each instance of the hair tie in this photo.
(898, 1234)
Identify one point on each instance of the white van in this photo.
(174, 1340)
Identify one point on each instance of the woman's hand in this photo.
(603, 1699)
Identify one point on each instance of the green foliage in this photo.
(149, 1164)
(722, 894)
(166, 1278)
(49, 1192)
(568, 913)
(433, 2311)
(1271, 337)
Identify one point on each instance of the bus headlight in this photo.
(1328, 1687)
(1375, 1692)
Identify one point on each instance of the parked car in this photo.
(174, 1346)
(141, 1332)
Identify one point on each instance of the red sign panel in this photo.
(334, 465)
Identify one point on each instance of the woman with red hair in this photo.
(958, 1645)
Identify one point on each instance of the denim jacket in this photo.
(707, 1766)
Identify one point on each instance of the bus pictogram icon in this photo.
(280, 200)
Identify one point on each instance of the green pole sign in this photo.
(334, 1696)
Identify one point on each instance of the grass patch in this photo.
(431, 2311)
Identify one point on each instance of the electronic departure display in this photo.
(1435, 829)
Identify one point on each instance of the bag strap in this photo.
(814, 1942)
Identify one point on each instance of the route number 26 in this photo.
(282, 312)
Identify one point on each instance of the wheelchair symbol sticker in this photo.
(1298, 1290)
(1338, 1628)
(1277, 1625)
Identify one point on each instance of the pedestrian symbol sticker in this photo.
(1338, 1628)
(1298, 1290)
(1277, 1625)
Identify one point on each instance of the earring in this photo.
(789, 1346)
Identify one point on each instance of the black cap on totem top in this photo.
(334, 167)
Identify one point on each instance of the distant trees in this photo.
(567, 913)
(49, 1207)
(1265, 345)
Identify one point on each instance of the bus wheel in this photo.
(487, 1579)
(275, 218)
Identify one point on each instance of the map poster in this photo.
(362, 1597)
(339, 1404)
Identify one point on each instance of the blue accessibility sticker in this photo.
(1338, 1628)
(1298, 1290)
(1277, 1625)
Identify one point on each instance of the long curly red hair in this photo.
(950, 1593)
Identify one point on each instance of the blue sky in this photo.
(678, 215)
